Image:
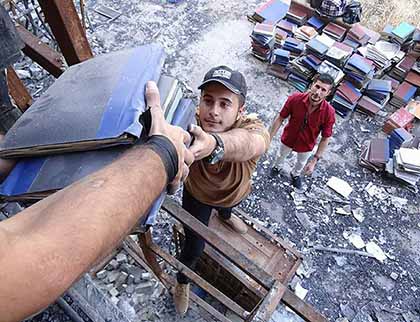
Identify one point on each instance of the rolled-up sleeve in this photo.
(327, 129)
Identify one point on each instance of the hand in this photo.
(203, 144)
(175, 134)
(310, 167)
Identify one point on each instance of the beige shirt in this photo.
(226, 183)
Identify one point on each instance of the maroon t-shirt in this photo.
(302, 130)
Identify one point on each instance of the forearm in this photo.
(242, 145)
(275, 126)
(322, 147)
(67, 232)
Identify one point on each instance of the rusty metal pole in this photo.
(65, 24)
(18, 91)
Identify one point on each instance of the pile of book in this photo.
(288, 27)
(404, 93)
(279, 60)
(415, 47)
(311, 62)
(316, 23)
(335, 31)
(400, 71)
(379, 90)
(356, 36)
(403, 33)
(405, 165)
(272, 11)
(397, 138)
(386, 33)
(383, 54)
(305, 33)
(335, 72)
(299, 68)
(345, 98)
(297, 15)
(375, 154)
(294, 46)
(279, 36)
(319, 45)
(414, 108)
(262, 40)
(399, 119)
(359, 70)
(368, 106)
(339, 53)
(413, 77)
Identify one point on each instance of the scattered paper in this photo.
(375, 191)
(340, 186)
(300, 291)
(342, 211)
(398, 202)
(373, 249)
(359, 214)
(357, 241)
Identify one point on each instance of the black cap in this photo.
(231, 79)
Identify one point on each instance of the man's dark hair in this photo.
(324, 78)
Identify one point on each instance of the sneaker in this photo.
(297, 182)
(236, 224)
(181, 297)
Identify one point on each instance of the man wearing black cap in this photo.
(227, 145)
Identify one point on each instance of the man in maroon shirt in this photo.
(309, 115)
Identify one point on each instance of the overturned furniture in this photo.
(247, 273)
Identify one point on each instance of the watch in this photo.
(218, 152)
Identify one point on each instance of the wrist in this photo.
(212, 145)
(316, 157)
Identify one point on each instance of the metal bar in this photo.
(301, 308)
(67, 29)
(201, 282)
(213, 239)
(40, 52)
(264, 310)
(145, 242)
(18, 90)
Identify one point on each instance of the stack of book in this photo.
(299, 82)
(383, 53)
(397, 138)
(404, 93)
(345, 98)
(356, 37)
(297, 15)
(399, 119)
(311, 62)
(413, 77)
(400, 71)
(299, 68)
(379, 90)
(414, 108)
(295, 46)
(405, 165)
(335, 31)
(319, 45)
(368, 106)
(262, 40)
(305, 33)
(279, 61)
(415, 47)
(375, 154)
(403, 33)
(279, 36)
(386, 33)
(316, 23)
(359, 70)
(288, 27)
(328, 68)
(394, 83)
(339, 53)
(271, 11)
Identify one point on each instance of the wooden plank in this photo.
(65, 24)
(145, 241)
(40, 52)
(301, 308)
(168, 281)
(200, 281)
(264, 311)
(213, 239)
(18, 90)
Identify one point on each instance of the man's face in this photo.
(318, 92)
(219, 108)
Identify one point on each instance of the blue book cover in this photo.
(403, 30)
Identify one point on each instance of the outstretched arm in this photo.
(46, 247)
(278, 121)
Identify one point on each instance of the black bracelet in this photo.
(167, 153)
